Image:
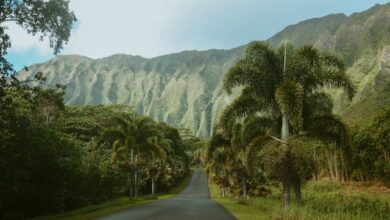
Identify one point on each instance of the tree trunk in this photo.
(335, 163)
(131, 190)
(153, 170)
(135, 184)
(153, 186)
(135, 177)
(330, 163)
(244, 188)
(286, 163)
(297, 189)
(130, 186)
(286, 181)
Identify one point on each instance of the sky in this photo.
(152, 28)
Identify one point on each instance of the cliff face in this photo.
(363, 41)
(184, 89)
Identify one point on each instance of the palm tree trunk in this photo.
(244, 188)
(130, 186)
(330, 163)
(286, 181)
(153, 185)
(336, 167)
(297, 189)
(131, 183)
(135, 179)
(286, 164)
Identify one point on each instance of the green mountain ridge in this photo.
(184, 89)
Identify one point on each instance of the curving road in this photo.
(193, 203)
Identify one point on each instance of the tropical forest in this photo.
(121, 109)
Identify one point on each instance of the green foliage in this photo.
(56, 165)
(323, 200)
(283, 86)
(51, 18)
(371, 149)
(290, 99)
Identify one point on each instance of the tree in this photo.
(278, 84)
(48, 104)
(218, 158)
(127, 139)
(371, 149)
(49, 18)
(159, 147)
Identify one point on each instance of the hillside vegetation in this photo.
(184, 89)
(280, 136)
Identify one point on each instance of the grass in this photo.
(95, 211)
(322, 200)
(237, 208)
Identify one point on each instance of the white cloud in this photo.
(120, 26)
(108, 27)
(155, 27)
(22, 41)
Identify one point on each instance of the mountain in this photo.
(181, 89)
(363, 41)
(184, 89)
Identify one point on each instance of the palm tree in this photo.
(159, 147)
(128, 137)
(218, 157)
(123, 142)
(278, 84)
(237, 150)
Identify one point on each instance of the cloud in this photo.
(119, 26)
(155, 27)
(22, 41)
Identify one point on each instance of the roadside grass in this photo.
(323, 200)
(103, 209)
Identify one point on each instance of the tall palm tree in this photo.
(278, 84)
(128, 137)
(160, 148)
(218, 158)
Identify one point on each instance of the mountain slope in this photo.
(184, 89)
(363, 40)
(181, 89)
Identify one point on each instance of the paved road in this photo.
(193, 203)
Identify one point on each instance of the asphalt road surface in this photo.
(193, 203)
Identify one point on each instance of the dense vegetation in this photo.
(55, 158)
(281, 127)
(55, 165)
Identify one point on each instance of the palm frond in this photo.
(123, 124)
(251, 149)
(255, 126)
(329, 129)
(260, 69)
(332, 60)
(113, 134)
(245, 104)
(336, 78)
(217, 140)
(289, 96)
(236, 140)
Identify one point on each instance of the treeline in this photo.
(370, 142)
(55, 158)
(281, 128)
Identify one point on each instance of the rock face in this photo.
(363, 41)
(184, 89)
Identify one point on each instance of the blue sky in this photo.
(155, 27)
